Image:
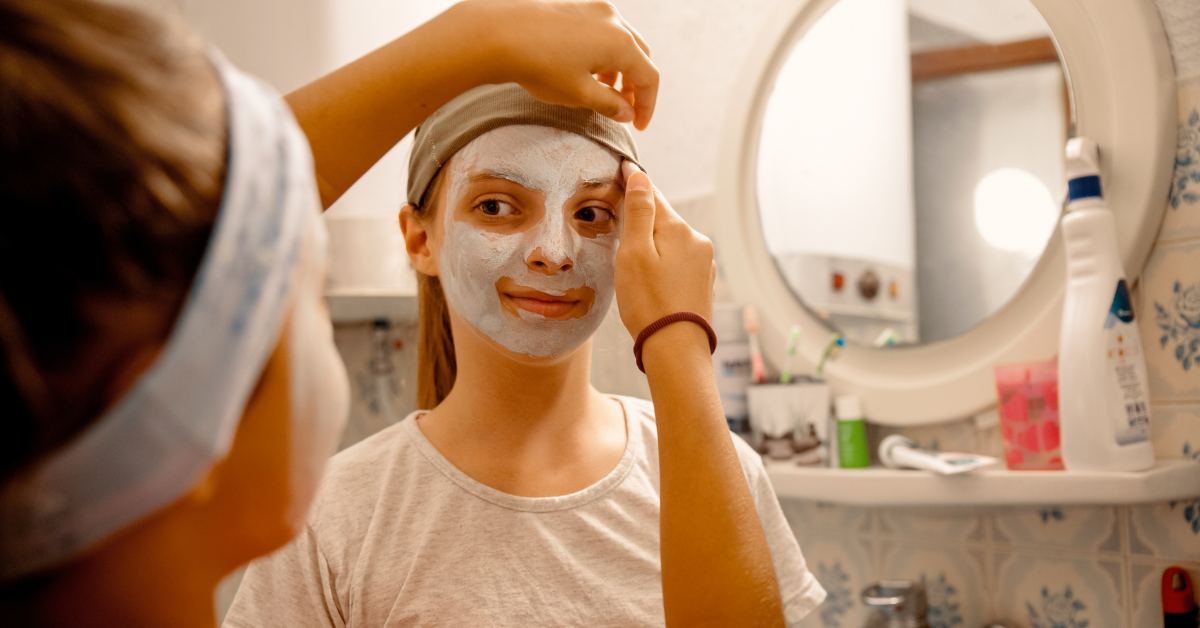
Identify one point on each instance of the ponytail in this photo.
(436, 366)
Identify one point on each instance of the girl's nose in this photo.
(542, 263)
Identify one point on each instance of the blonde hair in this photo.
(436, 365)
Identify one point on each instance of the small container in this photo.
(853, 452)
(1028, 403)
(731, 364)
(790, 418)
(812, 438)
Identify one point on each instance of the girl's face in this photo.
(530, 236)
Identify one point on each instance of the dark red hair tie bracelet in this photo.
(667, 320)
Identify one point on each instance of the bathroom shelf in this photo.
(354, 306)
(877, 486)
(865, 311)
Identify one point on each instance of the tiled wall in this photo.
(1040, 567)
(356, 343)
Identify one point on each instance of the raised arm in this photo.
(716, 566)
(562, 51)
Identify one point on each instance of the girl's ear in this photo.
(416, 242)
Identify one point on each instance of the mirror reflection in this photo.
(909, 168)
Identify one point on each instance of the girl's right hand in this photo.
(663, 265)
(564, 52)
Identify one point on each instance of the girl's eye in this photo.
(597, 215)
(493, 207)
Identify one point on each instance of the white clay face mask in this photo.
(544, 290)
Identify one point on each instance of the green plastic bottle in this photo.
(852, 433)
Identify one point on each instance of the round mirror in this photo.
(921, 140)
(910, 163)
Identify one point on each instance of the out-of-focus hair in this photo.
(112, 162)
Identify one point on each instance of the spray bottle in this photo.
(1103, 394)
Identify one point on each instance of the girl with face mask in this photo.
(523, 496)
(171, 389)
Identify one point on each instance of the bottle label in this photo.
(731, 362)
(1127, 399)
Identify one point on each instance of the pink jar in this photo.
(1028, 402)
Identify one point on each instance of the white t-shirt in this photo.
(400, 537)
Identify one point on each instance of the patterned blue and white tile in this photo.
(934, 526)
(1043, 590)
(842, 569)
(1146, 580)
(954, 581)
(824, 520)
(1168, 530)
(1182, 218)
(1175, 431)
(1181, 21)
(1170, 321)
(1079, 528)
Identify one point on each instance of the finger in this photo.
(628, 94)
(605, 100)
(642, 77)
(636, 35)
(645, 96)
(639, 212)
(608, 78)
(665, 214)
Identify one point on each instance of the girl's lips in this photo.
(549, 309)
(574, 303)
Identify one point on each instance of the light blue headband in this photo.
(179, 419)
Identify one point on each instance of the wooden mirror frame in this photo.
(1123, 95)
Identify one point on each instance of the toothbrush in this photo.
(887, 338)
(832, 348)
(793, 342)
(750, 320)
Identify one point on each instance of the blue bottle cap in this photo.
(1084, 187)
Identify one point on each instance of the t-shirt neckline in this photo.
(633, 448)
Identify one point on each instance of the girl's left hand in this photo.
(663, 266)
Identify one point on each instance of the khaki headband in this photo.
(490, 107)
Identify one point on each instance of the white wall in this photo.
(835, 159)
(291, 42)
(286, 42)
(964, 128)
(699, 45)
